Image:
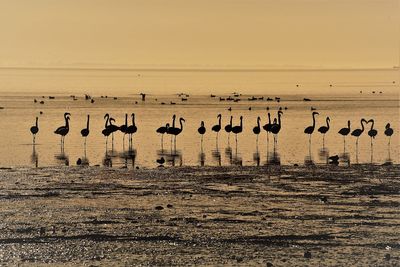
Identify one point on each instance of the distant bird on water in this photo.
(35, 130)
(63, 130)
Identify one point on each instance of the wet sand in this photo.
(284, 216)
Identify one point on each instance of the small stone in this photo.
(269, 264)
(170, 206)
(159, 207)
(387, 256)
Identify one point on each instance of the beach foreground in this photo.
(320, 215)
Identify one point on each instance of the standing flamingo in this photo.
(216, 128)
(372, 133)
(276, 127)
(85, 131)
(131, 129)
(176, 131)
(228, 129)
(63, 130)
(358, 132)
(388, 131)
(202, 131)
(162, 130)
(35, 130)
(344, 132)
(257, 129)
(123, 128)
(324, 130)
(238, 129)
(310, 129)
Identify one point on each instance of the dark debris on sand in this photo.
(269, 216)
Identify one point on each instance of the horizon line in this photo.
(194, 69)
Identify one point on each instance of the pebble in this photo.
(159, 207)
(307, 255)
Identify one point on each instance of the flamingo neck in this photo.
(313, 121)
(87, 123)
(327, 123)
(241, 122)
(126, 119)
(348, 124)
(269, 118)
(219, 121)
(66, 122)
(37, 121)
(181, 122)
(362, 125)
(231, 121)
(372, 126)
(133, 120)
(106, 124)
(279, 119)
(173, 122)
(258, 122)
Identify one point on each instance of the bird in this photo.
(310, 129)
(131, 129)
(216, 128)
(85, 131)
(176, 131)
(238, 129)
(267, 126)
(169, 129)
(123, 127)
(372, 132)
(358, 132)
(162, 130)
(324, 129)
(344, 132)
(63, 130)
(388, 131)
(202, 130)
(35, 130)
(257, 129)
(228, 128)
(276, 127)
(334, 160)
(160, 161)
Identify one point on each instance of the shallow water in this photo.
(293, 147)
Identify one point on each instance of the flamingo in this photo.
(388, 131)
(238, 129)
(310, 129)
(202, 130)
(63, 130)
(344, 132)
(276, 127)
(372, 133)
(257, 129)
(358, 132)
(35, 130)
(85, 131)
(228, 128)
(216, 128)
(123, 128)
(324, 129)
(131, 129)
(176, 131)
(162, 130)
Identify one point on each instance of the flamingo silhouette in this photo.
(228, 128)
(344, 132)
(216, 128)
(257, 129)
(388, 132)
(310, 129)
(372, 133)
(85, 131)
(176, 131)
(276, 127)
(63, 130)
(162, 130)
(358, 132)
(35, 130)
(238, 129)
(131, 129)
(202, 130)
(123, 128)
(324, 129)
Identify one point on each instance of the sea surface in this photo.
(339, 99)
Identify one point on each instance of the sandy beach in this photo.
(269, 216)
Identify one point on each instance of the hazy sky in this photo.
(204, 33)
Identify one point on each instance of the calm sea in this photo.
(334, 94)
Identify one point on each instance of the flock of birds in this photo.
(272, 127)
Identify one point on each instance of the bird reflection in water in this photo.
(308, 160)
(256, 155)
(34, 156)
(229, 154)
(216, 155)
(323, 154)
(62, 157)
(107, 160)
(129, 157)
(173, 158)
(274, 158)
(345, 158)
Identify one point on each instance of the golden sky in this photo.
(206, 33)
